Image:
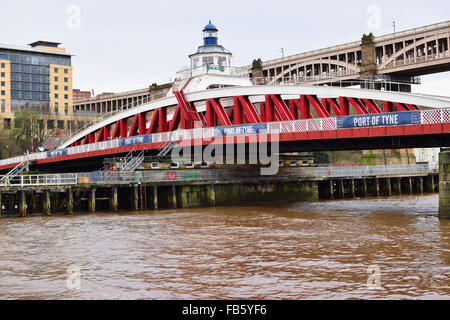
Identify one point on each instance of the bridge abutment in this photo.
(444, 184)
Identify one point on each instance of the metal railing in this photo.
(371, 170)
(357, 44)
(212, 69)
(21, 181)
(184, 175)
(368, 84)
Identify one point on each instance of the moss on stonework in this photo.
(369, 159)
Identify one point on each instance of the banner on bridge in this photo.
(135, 140)
(56, 153)
(241, 130)
(379, 120)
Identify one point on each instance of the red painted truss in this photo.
(243, 111)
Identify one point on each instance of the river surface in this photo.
(367, 249)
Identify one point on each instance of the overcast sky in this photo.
(126, 45)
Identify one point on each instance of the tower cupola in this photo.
(210, 34)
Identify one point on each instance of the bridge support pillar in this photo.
(155, 197)
(69, 200)
(340, 189)
(91, 205)
(212, 195)
(135, 198)
(444, 184)
(46, 203)
(114, 204)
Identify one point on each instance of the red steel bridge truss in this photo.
(301, 115)
(273, 109)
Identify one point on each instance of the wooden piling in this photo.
(364, 188)
(69, 201)
(174, 197)
(155, 197)
(340, 188)
(114, 202)
(46, 203)
(212, 195)
(135, 198)
(91, 205)
(388, 187)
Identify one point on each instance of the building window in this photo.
(3, 103)
(66, 79)
(56, 87)
(56, 78)
(66, 71)
(66, 109)
(3, 65)
(222, 61)
(66, 88)
(56, 70)
(66, 96)
(80, 124)
(61, 124)
(7, 124)
(3, 74)
(56, 96)
(208, 60)
(3, 83)
(3, 92)
(50, 124)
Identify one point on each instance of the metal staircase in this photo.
(164, 151)
(130, 163)
(16, 171)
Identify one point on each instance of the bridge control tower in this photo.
(212, 56)
(211, 66)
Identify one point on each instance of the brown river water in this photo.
(322, 250)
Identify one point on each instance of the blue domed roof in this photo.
(210, 26)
